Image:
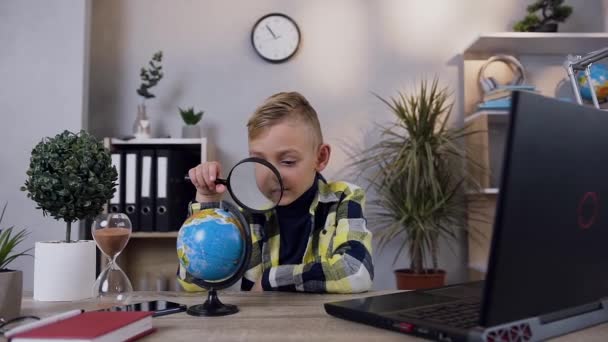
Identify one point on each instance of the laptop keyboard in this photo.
(462, 314)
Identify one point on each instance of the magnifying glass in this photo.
(254, 184)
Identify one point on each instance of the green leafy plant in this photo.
(417, 173)
(150, 76)
(8, 243)
(190, 117)
(552, 11)
(70, 177)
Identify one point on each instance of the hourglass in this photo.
(111, 232)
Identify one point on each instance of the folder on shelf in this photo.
(116, 204)
(131, 203)
(173, 191)
(147, 191)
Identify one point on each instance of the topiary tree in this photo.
(552, 11)
(70, 177)
(150, 76)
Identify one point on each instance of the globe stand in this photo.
(212, 307)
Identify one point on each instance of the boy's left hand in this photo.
(258, 286)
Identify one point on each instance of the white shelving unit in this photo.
(150, 258)
(535, 43)
(543, 55)
(163, 141)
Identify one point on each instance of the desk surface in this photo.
(269, 316)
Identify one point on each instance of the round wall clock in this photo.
(275, 37)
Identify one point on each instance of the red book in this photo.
(93, 326)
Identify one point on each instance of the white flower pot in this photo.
(191, 131)
(64, 271)
(11, 287)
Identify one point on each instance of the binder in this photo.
(173, 191)
(131, 203)
(147, 190)
(116, 204)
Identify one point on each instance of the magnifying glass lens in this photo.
(255, 185)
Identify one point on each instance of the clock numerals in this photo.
(275, 37)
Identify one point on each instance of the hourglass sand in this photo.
(111, 232)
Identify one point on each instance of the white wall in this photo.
(42, 88)
(349, 49)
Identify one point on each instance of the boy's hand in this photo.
(258, 286)
(203, 178)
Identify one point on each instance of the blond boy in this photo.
(316, 240)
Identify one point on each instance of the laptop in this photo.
(548, 266)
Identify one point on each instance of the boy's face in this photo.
(290, 147)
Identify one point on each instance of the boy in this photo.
(316, 239)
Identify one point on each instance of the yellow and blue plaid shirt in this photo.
(338, 256)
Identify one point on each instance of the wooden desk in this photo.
(269, 316)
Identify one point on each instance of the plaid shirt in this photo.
(338, 253)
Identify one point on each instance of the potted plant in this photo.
(150, 77)
(552, 12)
(11, 281)
(418, 175)
(191, 119)
(70, 178)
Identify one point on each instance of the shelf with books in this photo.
(150, 257)
(485, 145)
(542, 55)
(154, 235)
(483, 192)
(535, 43)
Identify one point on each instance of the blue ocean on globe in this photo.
(210, 245)
(599, 78)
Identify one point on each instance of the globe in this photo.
(599, 79)
(211, 245)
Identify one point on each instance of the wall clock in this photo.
(275, 37)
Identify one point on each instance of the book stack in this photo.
(87, 326)
(500, 98)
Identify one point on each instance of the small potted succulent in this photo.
(11, 281)
(70, 178)
(191, 120)
(552, 12)
(150, 77)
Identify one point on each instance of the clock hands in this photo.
(272, 33)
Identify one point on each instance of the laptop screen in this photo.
(550, 242)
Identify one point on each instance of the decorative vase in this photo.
(141, 127)
(191, 131)
(11, 287)
(64, 271)
(408, 280)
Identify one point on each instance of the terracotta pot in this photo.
(407, 280)
(11, 287)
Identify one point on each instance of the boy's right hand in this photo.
(203, 178)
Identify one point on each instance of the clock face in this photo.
(275, 37)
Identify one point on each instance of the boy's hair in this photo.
(280, 107)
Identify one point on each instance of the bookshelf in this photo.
(150, 258)
(543, 55)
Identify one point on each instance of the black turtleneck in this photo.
(295, 224)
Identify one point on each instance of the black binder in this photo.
(173, 192)
(116, 203)
(147, 189)
(131, 187)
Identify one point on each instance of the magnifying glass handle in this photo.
(217, 181)
(221, 181)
